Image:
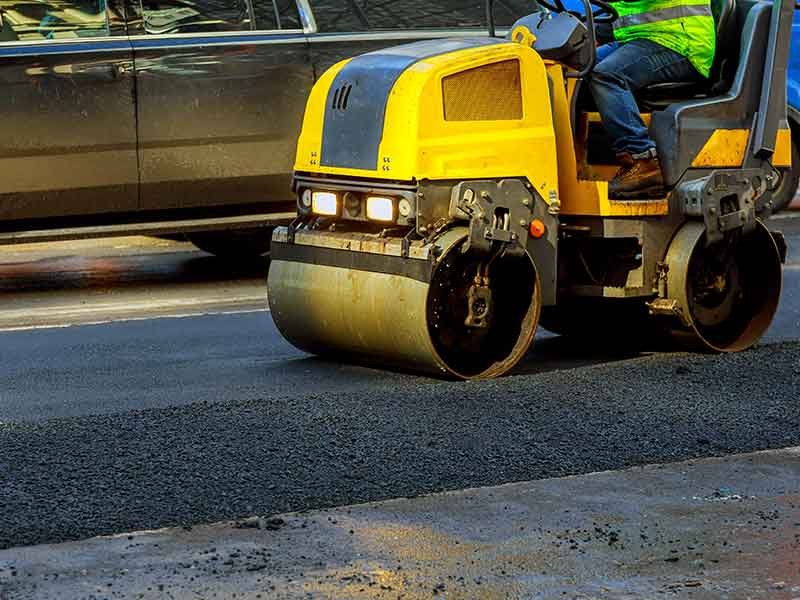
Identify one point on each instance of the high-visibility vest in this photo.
(685, 26)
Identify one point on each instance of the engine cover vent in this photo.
(342, 96)
(487, 93)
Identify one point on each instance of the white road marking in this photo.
(784, 216)
(66, 325)
(96, 313)
(160, 304)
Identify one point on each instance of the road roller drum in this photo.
(414, 318)
(452, 191)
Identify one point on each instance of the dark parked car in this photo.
(177, 116)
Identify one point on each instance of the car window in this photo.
(276, 14)
(53, 19)
(360, 15)
(192, 16)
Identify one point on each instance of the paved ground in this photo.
(160, 362)
(709, 529)
(70, 478)
(167, 421)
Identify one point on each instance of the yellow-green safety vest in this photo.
(685, 26)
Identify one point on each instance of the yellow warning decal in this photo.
(725, 148)
(783, 149)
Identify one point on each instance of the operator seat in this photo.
(660, 95)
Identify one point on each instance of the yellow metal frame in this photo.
(418, 143)
(725, 148)
(783, 149)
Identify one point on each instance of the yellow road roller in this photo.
(453, 194)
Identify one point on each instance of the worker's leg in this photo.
(605, 50)
(621, 71)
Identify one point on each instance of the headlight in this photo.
(324, 203)
(380, 208)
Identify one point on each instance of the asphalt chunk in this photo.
(73, 478)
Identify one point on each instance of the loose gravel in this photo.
(73, 478)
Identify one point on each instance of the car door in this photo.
(67, 110)
(221, 89)
(347, 28)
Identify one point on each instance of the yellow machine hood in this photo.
(441, 109)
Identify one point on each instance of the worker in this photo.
(655, 41)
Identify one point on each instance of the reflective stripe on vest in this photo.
(665, 14)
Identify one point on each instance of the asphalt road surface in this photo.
(183, 404)
(704, 529)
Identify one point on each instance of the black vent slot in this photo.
(341, 97)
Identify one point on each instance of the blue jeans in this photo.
(621, 70)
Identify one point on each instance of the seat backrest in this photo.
(724, 11)
(683, 129)
(727, 54)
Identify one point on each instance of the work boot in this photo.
(639, 178)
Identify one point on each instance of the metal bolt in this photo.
(484, 194)
(526, 202)
(523, 223)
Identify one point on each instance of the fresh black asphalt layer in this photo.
(75, 477)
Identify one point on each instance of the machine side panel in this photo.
(480, 148)
(357, 99)
(309, 144)
(355, 111)
(782, 158)
(725, 148)
(544, 252)
(406, 118)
